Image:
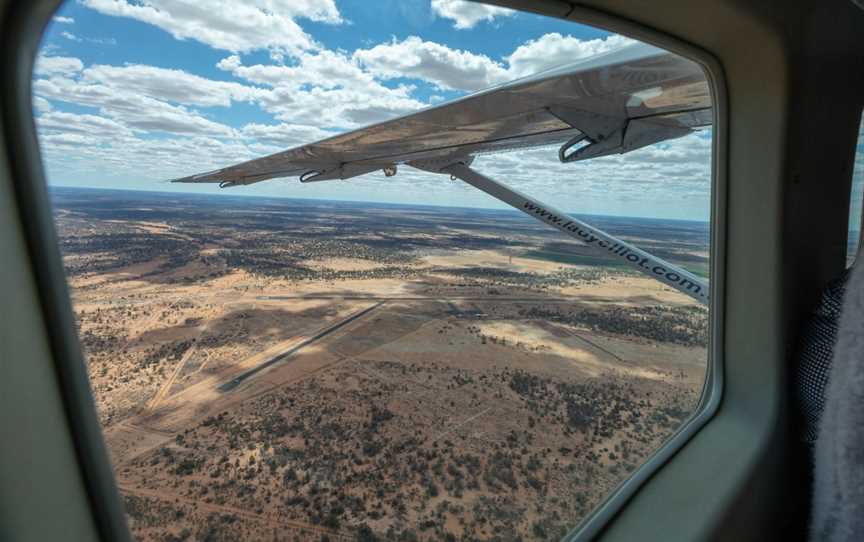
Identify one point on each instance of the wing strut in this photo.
(655, 267)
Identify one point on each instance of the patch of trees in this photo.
(687, 326)
(171, 351)
(499, 470)
(188, 465)
(378, 415)
(107, 251)
(497, 276)
(149, 513)
(220, 528)
(527, 385)
(101, 339)
(286, 258)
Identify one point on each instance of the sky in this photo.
(856, 199)
(129, 94)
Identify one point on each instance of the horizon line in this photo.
(258, 196)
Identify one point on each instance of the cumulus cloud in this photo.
(41, 105)
(227, 25)
(455, 69)
(63, 20)
(67, 139)
(130, 159)
(326, 88)
(283, 135)
(57, 65)
(170, 85)
(466, 15)
(345, 82)
(325, 69)
(341, 108)
(443, 66)
(662, 176)
(92, 125)
(70, 36)
(135, 110)
(554, 49)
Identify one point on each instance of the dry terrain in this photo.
(296, 370)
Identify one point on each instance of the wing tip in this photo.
(210, 176)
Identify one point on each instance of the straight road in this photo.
(236, 381)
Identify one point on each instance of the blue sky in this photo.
(857, 196)
(129, 94)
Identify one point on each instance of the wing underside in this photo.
(608, 104)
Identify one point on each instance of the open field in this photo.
(281, 369)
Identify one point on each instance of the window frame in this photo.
(709, 402)
(32, 18)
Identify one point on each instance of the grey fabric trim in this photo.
(818, 338)
(838, 499)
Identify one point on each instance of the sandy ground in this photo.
(164, 377)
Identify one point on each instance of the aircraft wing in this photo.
(608, 104)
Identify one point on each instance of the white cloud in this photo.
(229, 63)
(283, 135)
(41, 105)
(467, 14)
(70, 36)
(449, 68)
(93, 125)
(662, 176)
(63, 20)
(135, 110)
(101, 41)
(227, 25)
(326, 88)
(342, 108)
(170, 85)
(551, 50)
(66, 139)
(325, 69)
(96, 41)
(338, 90)
(142, 98)
(107, 150)
(126, 160)
(54, 65)
(445, 67)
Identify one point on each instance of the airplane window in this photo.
(856, 199)
(477, 323)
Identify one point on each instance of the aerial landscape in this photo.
(284, 369)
